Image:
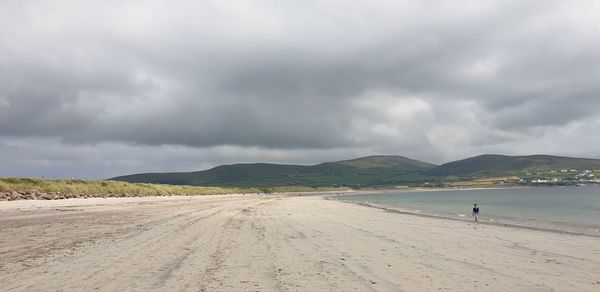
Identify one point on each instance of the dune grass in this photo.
(101, 187)
(117, 188)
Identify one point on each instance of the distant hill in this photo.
(499, 165)
(360, 172)
(374, 171)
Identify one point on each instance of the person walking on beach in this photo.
(475, 213)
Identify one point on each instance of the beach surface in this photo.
(275, 243)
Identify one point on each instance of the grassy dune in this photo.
(119, 189)
(96, 187)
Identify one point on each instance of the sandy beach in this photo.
(275, 243)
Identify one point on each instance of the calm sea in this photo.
(573, 209)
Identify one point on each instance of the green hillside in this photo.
(385, 171)
(500, 165)
(388, 161)
(360, 172)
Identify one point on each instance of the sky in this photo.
(97, 89)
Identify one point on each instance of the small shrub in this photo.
(4, 187)
(21, 180)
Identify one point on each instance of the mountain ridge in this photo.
(364, 170)
(369, 171)
(511, 165)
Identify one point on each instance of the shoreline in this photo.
(327, 195)
(33, 205)
(440, 217)
(34, 194)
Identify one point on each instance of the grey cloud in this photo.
(421, 78)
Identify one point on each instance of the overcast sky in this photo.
(96, 89)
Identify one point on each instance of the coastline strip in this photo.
(502, 224)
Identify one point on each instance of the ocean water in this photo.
(572, 209)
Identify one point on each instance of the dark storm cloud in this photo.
(427, 79)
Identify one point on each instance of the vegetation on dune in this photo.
(117, 188)
(99, 187)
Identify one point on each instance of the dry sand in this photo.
(272, 243)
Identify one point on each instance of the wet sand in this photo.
(275, 243)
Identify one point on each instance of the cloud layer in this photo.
(102, 89)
